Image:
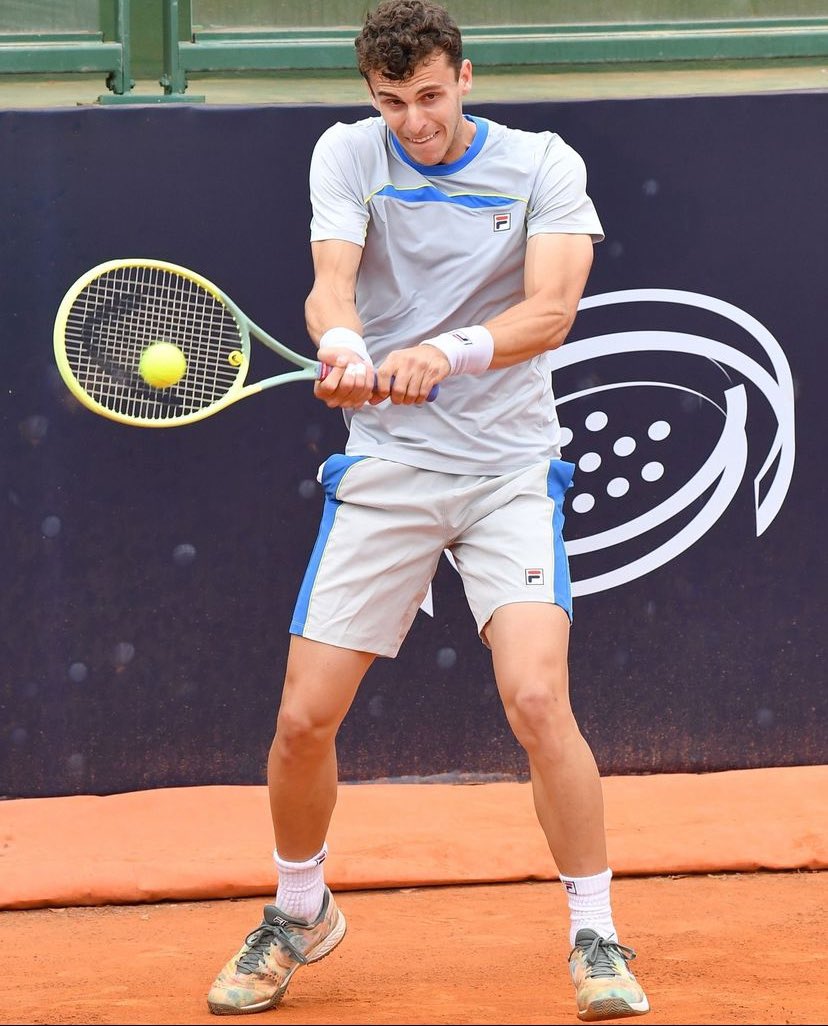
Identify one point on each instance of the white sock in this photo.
(301, 886)
(589, 904)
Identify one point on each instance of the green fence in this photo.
(180, 39)
(55, 37)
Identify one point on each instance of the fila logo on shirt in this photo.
(534, 575)
(501, 222)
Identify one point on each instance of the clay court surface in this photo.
(725, 948)
(122, 909)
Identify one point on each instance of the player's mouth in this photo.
(421, 140)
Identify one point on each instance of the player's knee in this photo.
(539, 718)
(299, 733)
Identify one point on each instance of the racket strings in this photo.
(117, 315)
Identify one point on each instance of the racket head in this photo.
(115, 310)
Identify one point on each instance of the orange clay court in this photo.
(121, 909)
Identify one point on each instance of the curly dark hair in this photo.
(400, 34)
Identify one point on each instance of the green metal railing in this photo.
(188, 48)
(310, 49)
(74, 52)
(256, 49)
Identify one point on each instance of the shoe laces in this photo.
(598, 956)
(258, 945)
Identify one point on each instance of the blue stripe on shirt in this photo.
(429, 194)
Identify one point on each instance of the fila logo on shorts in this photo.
(501, 222)
(534, 575)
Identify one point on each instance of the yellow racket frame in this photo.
(105, 378)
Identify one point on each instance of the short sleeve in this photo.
(338, 208)
(559, 201)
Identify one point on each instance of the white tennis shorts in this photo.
(385, 525)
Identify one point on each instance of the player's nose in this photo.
(416, 124)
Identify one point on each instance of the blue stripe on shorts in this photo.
(333, 470)
(558, 479)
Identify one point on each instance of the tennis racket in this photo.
(116, 310)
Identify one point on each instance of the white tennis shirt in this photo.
(443, 248)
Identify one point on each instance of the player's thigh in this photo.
(320, 683)
(515, 553)
(377, 550)
(530, 650)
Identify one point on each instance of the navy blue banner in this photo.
(149, 575)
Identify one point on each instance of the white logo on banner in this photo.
(699, 502)
(723, 469)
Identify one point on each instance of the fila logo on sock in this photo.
(534, 575)
(570, 886)
(320, 858)
(501, 222)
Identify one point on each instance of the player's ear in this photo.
(464, 77)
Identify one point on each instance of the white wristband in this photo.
(468, 350)
(344, 338)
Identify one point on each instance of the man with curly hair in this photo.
(449, 251)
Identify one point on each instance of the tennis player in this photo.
(452, 250)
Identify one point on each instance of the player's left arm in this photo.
(556, 269)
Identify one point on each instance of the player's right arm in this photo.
(335, 326)
(339, 224)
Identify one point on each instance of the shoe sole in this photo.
(324, 949)
(612, 1008)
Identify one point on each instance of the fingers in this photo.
(401, 389)
(408, 376)
(349, 381)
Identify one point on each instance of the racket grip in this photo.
(325, 368)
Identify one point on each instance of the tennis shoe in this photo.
(257, 976)
(604, 986)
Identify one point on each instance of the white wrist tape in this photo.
(468, 350)
(344, 338)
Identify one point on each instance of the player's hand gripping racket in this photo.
(117, 311)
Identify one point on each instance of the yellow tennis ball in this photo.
(162, 364)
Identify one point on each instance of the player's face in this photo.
(425, 112)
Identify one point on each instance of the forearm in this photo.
(335, 326)
(529, 328)
(514, 336)
(557, 267)
(326, 307)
